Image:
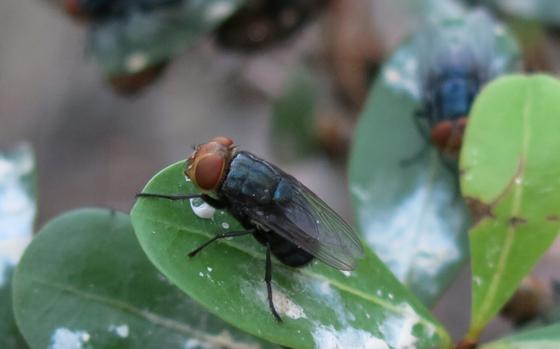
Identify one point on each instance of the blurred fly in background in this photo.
(446, 68)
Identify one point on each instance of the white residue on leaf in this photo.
(398, 331)
(121, 330)
(392, 76)
(499, 30)
(202, 209)
(330, 299)
(348, 338)
(222, 340)
(219, 10)
(284, 305)
(527, 8)
(346, 273)
(209, 269)
(477, 280)
(64, 338)
(136, 62)
(225, 225)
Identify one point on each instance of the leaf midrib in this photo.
(515, 210)
(154, 318)
(395, 309)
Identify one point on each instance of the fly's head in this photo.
(208, 164)
(447, 136)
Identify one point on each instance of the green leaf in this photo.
(17, 213)
(129, 44)
(84, 282)
(321, 307)
(542, 338)
(410, 211)
(510, 179)
(293, 129)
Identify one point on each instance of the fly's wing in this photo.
(303, 218)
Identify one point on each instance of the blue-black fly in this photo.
(280, 212)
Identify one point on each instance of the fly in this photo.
(443, 69)
(100, 9)
(262, 23)
(451, 85)
(281, 213)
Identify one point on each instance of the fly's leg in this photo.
(419, 114)
(217, 237)
(208, 199)
(268, 280)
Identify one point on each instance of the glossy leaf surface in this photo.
(512, 183)
(406, 199)
(128, 44)
(543, 338)
(84, 282)
(17, 213)
(321, 307)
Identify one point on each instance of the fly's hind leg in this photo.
(268, 280)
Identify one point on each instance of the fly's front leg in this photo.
(268, 280)
(216, 203)
(419, 114)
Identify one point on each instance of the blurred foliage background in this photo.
(96, 148)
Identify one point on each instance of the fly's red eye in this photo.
(447, 136)
(441, 134)
(209, 170)
(223, 141)
(73, 7)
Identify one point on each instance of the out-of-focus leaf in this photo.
(17, 213)
(293, 117)
(512, 184)
(542, 338)
(125, 45)
(321, 307)
(84, 282)
(412, 214)
(544, 11)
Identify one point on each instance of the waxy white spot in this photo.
(285, 306)
(202, 209)
(219, 10)
(64, 338)
(136, 62)
(121, 331)
(348, 338)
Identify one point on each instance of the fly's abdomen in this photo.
(285, 251)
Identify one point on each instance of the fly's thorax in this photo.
(452, 90)
(208, 165)
(251, 179)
